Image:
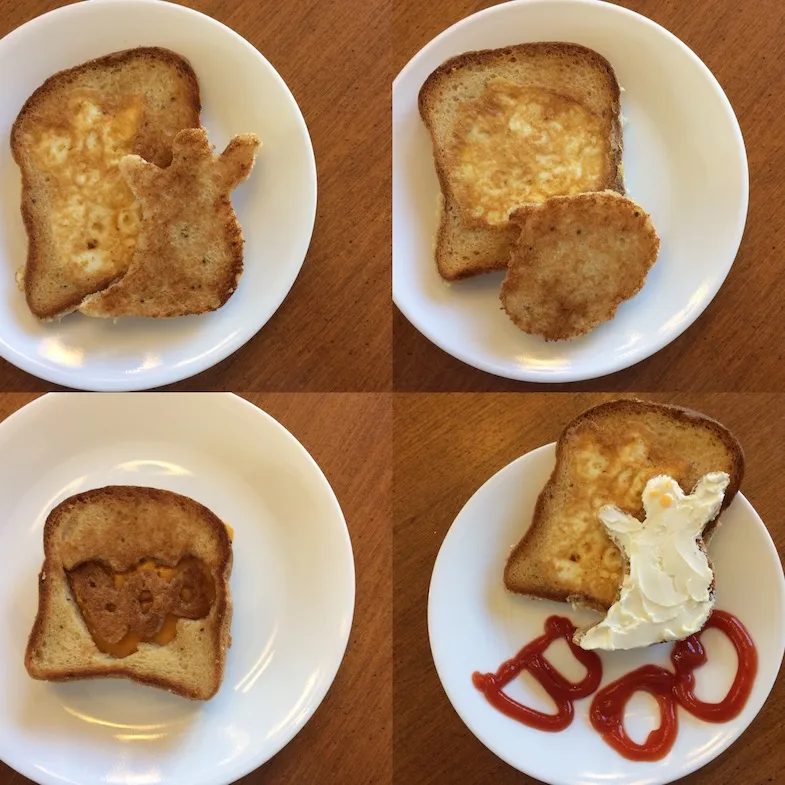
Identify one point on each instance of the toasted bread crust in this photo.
(118, 669)
(620, 408)
(459, 252)
(146, 145)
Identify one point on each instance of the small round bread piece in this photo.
(576, 260)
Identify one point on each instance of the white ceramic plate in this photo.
(276, 207)
(684, 161)
(292, 586)
(474, 624)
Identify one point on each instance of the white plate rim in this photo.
(545, 451)
(19, 419)
(170, 374)
(618, 363)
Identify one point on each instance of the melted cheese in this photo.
(516, 145)
(94, 216)
(129, 643)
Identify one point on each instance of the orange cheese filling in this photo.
(130, 641)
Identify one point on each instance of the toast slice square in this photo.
(606, 456)
(135, 584)
(81, 218)
(576, 259)
(512, 127)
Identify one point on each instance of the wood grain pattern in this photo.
(333, 331)
(445, 447)
(735, 344)
(349, 739)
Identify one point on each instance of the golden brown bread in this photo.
(463, 253)
(189, 254)
(606, 456)
(515, 126)
(577, 258)
(118, 562)
(81, 218)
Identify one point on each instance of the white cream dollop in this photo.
(667, 594)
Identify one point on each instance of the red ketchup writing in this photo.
(670, 689)
(532, 659)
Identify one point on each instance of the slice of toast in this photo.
(577, 258)
(605, 456)
(81, 218)
(515, 126)
(463, 253)
(189, 254)
(135, 584)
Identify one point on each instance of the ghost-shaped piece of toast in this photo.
(668, 591)
(189, 251)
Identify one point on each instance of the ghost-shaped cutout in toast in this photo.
(668, 591)
(189, 252)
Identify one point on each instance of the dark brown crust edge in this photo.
(621, 406)
(53, 83)
(223, 612)
(616, 183)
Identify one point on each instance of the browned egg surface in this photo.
(519, 145)
(608, 469)
(94, 216)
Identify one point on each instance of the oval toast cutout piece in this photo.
(576, 260)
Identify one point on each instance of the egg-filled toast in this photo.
(605, 456)
(135, 584)
(513, 127)
(81, 217)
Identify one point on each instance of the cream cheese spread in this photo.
(667, 594)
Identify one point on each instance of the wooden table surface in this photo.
(349, 739)
(736, 344)
(333, 331)
(445, 448)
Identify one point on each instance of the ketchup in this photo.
(690, 654)
(670, 689)
(531, 658)
(607, 713)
